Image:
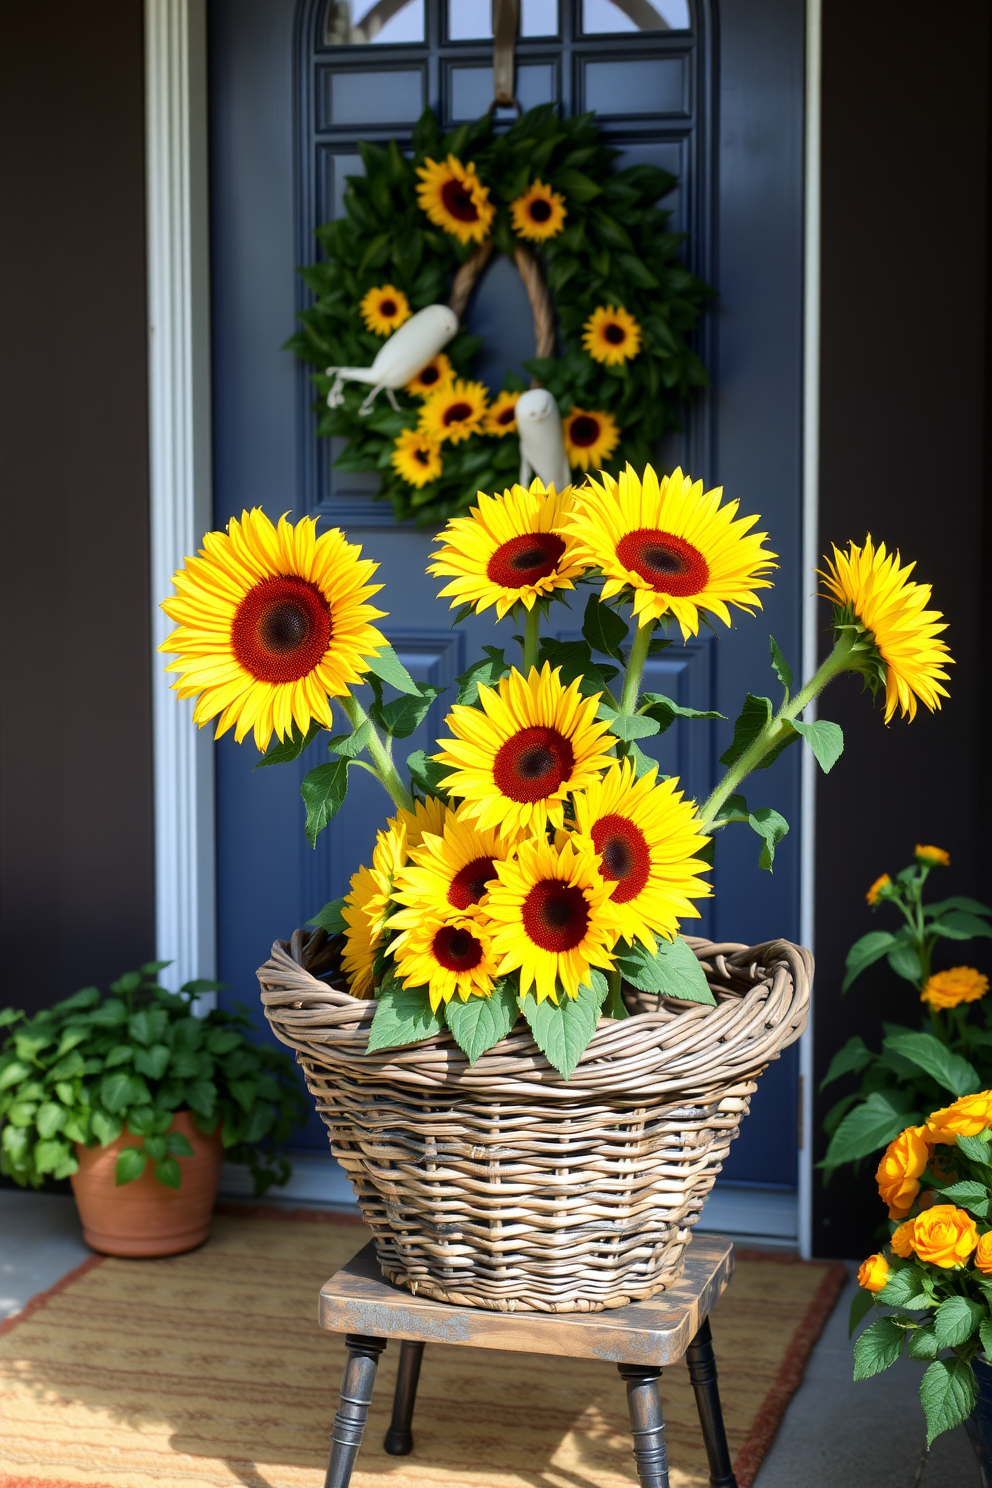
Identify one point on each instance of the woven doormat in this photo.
(209, 1369)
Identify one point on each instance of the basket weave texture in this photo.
(503, 1186)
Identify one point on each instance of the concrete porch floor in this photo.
(835, 1434)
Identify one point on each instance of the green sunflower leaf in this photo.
(487, 671)
(330, 918)
(480, 1023)
(427, 774)
(603, 628)
(403, 1016)
(291, 748)
(323, 791)
(562, 1030)
(826, 740)
(780, 666)
(673, 971)
(389, 668)
(771, 827)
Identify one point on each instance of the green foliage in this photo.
(95, 1067)
(877, 1348)
(403, 1016)
(615, 249)
(479, 1023)
(562, 1030)
(917, 1070)
(323, 791)
(948, 1392)
(673, 971)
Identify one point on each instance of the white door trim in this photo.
(810, 559)
(180, 462)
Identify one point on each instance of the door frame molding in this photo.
(179, 418)
(181, 485)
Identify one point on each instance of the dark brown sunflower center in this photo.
(387, 308)
(422, 456)
(584, 430)
(459, 202)
(532, 764)
(281, 629)
(668, 563)
(525, 559)
(540, 210)
(456, 413)
(506, 416)
(555, 915)
(625, 855)
(614, 333)
(469, 884)
(429, 376)
(456, 949)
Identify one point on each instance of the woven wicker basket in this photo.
(501, 1185)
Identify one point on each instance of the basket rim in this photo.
(679, 1045)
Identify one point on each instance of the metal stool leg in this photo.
(647, 1424)
(702, 1372)
(352, 1412)
(398, 1440)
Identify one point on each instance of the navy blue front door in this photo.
(713, 94)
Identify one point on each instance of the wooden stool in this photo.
(640, 1339)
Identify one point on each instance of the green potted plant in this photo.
(136, 1099)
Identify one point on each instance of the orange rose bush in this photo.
(535, 863)
(931, 1285)
(949, 1051)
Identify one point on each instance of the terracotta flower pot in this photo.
(145, 1218)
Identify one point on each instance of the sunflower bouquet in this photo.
(935, 1272)
(536, 862)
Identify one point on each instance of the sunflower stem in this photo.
(771, 736)
(532, 633)
(635, 668)
(385, 770)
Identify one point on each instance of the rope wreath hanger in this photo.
(612, 303)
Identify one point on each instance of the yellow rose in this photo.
(873, 1273)
(877, 887)
(946, 989)
(901, 1166)
(945, 1236)
(902, 1239)
(934, 856)
(983, 1255)
(965, 1117)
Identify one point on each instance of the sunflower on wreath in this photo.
(545, 193)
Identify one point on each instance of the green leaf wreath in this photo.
(548, 196)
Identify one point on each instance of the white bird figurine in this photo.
(407, 351)
(542, 440)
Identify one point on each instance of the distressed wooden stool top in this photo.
(357, 1299)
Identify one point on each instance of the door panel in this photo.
(286, 112)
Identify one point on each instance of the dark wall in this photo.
(903, 455)
(76, 882)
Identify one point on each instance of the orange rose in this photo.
(945, 1236)
(947, 989)
(964, 1118)
(983, 1255)
(873, 1273)
(902, 1239)
(901, 1166)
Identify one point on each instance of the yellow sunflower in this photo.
(874, 589)
(454, 412)
(511, 550)
(516, 757)
(427, 819)
(552, 917)
(673, 544)
(417, 458)
(451, 873)
(430, 379)
(590, 437)
(875, 891)
(444, 953)
(272, 622)
(539, 214)
(646, 838)
(384, 308)
(935, 857)
(502, 416)
(454, 198)
(611, 335)
(948, 989)
(366, 907)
